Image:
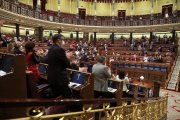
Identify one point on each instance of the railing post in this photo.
(166, 104)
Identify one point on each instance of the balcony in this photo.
(26, 16)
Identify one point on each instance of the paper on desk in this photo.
(2, 73)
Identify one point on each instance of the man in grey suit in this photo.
(101, 76)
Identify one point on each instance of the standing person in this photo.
(32, 60)
(124, 78)
(57, 63)
(101, 76)
(16, 49)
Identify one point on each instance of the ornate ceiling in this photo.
(110, 1)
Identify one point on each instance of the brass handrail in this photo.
(148, 109)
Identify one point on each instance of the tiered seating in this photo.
(140, 53)
(126, 57)
(120, 57)
(151, 71)
(39, 45)
(3, 49)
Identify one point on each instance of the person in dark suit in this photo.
(57, 63)
(101, 76)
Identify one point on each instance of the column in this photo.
(131, 37)
(112, 38)
(17, 1)
(38, 8)
(77, 36)
(17, 31)
(94, 38)
(77, 13)
(71, 35)
(50, 33)
(132, 8)
(43, 5)
(77, 9)
(176, 3)
(151, 37)
(112, 9)
(58, 7)
(59, 31)
(1, 24)
(152, 6)
(34, 4)
(174, 20)
(152, 12)
(113, 22)
(40, 33)
(27, 32)
(95, 10)
(174, 36)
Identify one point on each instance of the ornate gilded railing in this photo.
(22, 10)
(131, 109)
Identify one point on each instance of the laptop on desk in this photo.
(112, 86)
(42, 69)
(6, 63)
(77, 79)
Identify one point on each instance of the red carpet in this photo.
(173, 104)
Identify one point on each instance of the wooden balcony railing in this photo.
(28, 109)
(27, 11)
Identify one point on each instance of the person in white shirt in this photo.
(146, 58)
(77, 53)
(139, 48)
(124, 78)
(111, 59)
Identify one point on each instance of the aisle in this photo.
(173, 104)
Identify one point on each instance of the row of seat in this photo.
(163, 54)
(137, 58)
(143, 65)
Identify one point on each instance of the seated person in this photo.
(134, 58)
(158, 58)
(151, 58)
(124, 78)
(111, 59)
(82, 67)
(139, 48)
(145, 58)
(74, 64)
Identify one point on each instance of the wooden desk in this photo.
(146, 83)
(13, 85)
(154, 85)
